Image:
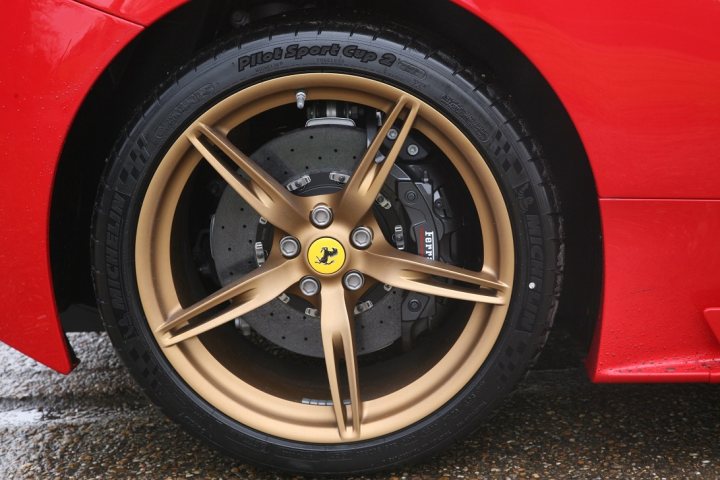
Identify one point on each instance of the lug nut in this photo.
(361, 237)
(289, 247)
(309, 286)
(392, 134)
(353, 280)
(413, 150)
(321, 216)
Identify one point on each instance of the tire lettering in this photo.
(298, 52)
(259, 58)
(365, 56)
(388, 60)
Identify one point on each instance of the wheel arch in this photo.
(176, 36)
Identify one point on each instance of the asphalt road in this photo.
(96, 424)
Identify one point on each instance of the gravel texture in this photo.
(96, 424)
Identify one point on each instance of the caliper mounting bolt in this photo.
(414, 305)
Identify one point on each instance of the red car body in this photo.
(639, 80)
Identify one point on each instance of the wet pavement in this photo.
(96, 424)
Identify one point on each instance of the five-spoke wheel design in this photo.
(329, 249)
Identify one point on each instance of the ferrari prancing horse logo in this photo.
(326, 255)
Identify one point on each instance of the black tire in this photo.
(425, 70)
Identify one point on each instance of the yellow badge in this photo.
(326, 255)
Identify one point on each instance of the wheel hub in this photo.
(326, 255)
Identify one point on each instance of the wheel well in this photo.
(149, 60)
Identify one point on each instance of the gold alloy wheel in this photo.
(269, 402)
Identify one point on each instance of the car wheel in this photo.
(327, 248)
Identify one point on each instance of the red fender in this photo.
(54, 52)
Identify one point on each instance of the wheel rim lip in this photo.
(260, 410)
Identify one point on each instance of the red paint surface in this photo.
(712, 317)
(143, 12)
(53, 51)
(640, 81)
(661, 273)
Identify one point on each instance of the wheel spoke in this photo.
(413, 272)
(336, 325)
(264, 194)
(246, 294)
(372, 172)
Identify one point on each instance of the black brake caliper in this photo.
(429, 221)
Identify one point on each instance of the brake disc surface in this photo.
(322, 155)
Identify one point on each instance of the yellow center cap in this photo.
(326, 255)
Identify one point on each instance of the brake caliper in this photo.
(426, 229)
